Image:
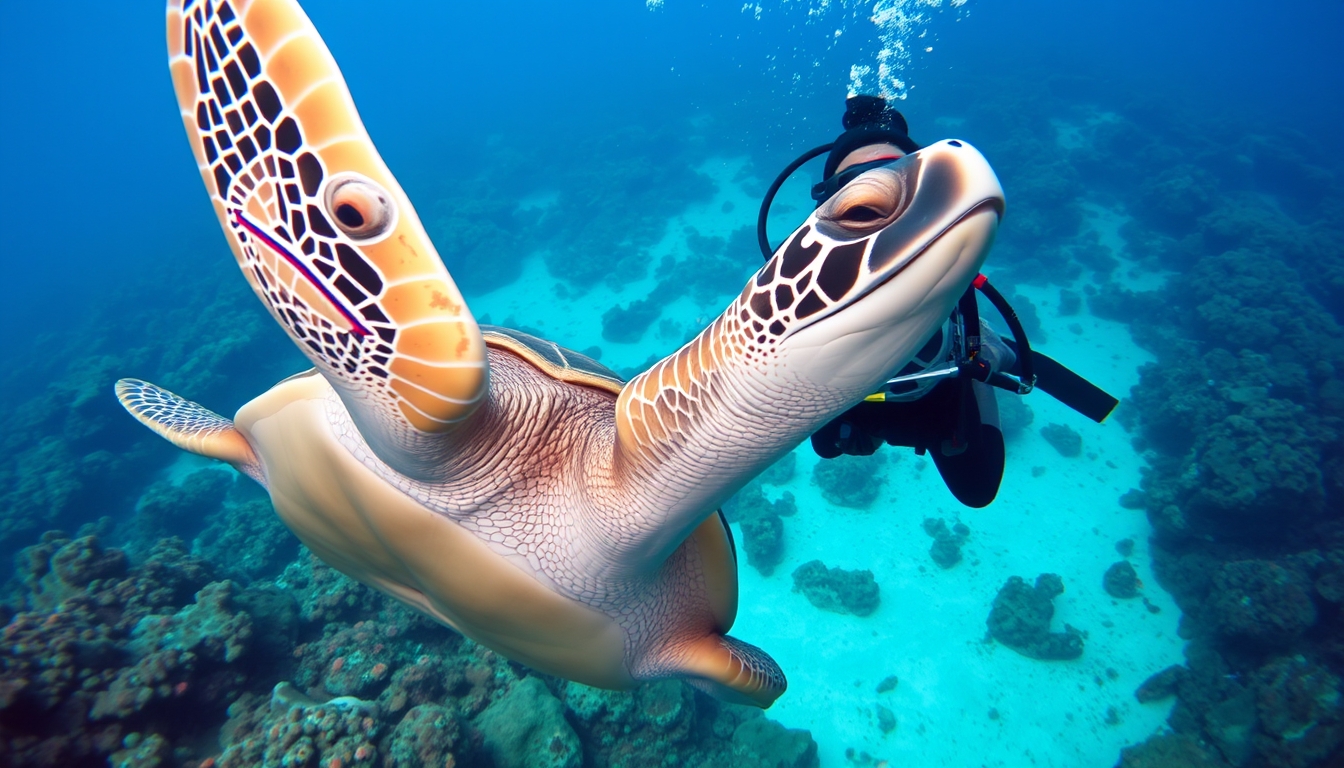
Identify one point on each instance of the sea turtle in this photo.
(513, 490)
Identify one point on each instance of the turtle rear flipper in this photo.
(190, 426)
(732, 670)
(320, 227)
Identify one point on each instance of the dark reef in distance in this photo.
(1240, 416)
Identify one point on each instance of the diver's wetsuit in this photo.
(956, 420)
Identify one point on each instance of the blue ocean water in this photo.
(1173, 233)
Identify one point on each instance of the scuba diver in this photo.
(942, 402)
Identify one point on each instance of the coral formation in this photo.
(526, 728)
(836, 589)
(781, 471)
(1020, 619)
(1064, 439)
(1121, 580)
(1160, 685)
(762, 524)
(106, 660)
(125, 649)
(1260, 602)
(851, 481)
(946, 549)
(626, 325)
(1014, 414)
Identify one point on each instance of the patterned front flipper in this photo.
(190, 426)
(319, 226)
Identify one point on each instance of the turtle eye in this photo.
(361, 209)
(863, 214)
(866, 204)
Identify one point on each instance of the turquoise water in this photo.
(591, 173)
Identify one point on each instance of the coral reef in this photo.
(762, 525)
(181, 510)
(1260, 602)
(429, 734)
(140, 664)
(1240, 417)
(1160, 685)
(102, 660)
(836, 589)
(481, 235)
(1121, 580)
(1064, 439)
(1169, 750)
(1020, 619)
(1014, 414)
(626, 325)
(946, 549)
(526, 728)
(781, 471)
(851, 481)
(289, 728)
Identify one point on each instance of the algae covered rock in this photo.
(1020, 619)
(946, 549)
(836, 589)
(1121, 580)
(1301, 712)
(763, 743)
(1170, 750)
(428, 735)
(1161, 685)
(851, 481)
(763, 539)
(1064, 439)
(781, 471)
(762, 524)
(1260, 602)
(526, 728)
(291, 728)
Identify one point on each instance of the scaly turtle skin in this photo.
(497, 483)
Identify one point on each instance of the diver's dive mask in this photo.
(825, 190)
(868, 120)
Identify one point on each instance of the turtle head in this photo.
(865, 281)
(320, 227)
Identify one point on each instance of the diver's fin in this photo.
(189, 426)
(1056, 380)
(732, 670)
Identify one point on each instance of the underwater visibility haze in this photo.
(1157, 585)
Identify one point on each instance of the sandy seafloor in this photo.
(930, 630)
